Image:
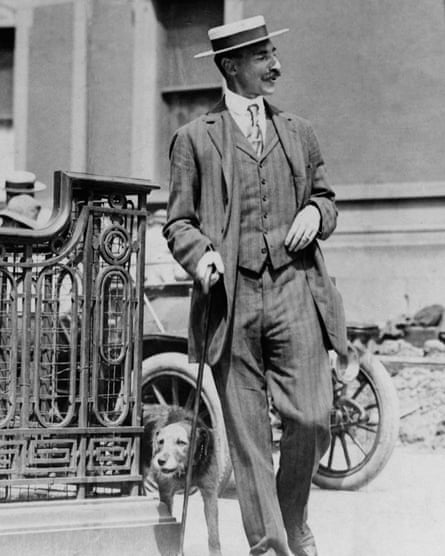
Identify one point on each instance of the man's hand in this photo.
(304, 229)
(209, 269)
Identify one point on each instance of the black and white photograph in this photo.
(222, 269)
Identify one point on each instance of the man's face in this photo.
(255, 70)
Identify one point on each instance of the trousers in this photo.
(277, 350)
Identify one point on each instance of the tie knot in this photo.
(254, 134)
(253, 110)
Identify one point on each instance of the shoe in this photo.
(303, 544)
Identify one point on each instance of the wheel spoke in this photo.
(359, 390)
(175, 392)
(158, 395)
(357, 443)
(371, 406)
(368, 428)
(345, 450)
(190, 399)
(331, 450)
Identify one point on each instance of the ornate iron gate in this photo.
(71, 318)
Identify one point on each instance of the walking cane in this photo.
(188, 477)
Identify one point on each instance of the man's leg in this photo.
(242, 389)
(299, 380)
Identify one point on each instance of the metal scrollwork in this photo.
(115, 245)
(117, 200)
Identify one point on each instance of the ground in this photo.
(400, 513)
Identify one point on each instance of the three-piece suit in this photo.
(274, 313)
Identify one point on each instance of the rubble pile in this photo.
(421, 392)
(420, 335)
(420, 385)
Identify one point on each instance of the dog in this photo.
(164, 456)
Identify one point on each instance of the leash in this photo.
(192, 446)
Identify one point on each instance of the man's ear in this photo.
(229, 65)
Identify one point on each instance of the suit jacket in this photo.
(204, 213)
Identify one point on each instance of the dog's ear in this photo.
(202, 444)
(147, 444)
(154, 442)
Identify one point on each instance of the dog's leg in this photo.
(166, 494)
(210, 498)
(149, 483)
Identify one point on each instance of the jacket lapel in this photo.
(289, 140)
(286, 135)
(219, 129)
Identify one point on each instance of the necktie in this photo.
(254, 134)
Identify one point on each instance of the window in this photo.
(7, 40)
(188, 87)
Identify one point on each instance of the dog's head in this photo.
(170, 448)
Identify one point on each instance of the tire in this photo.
(364, 428)
(169, 379)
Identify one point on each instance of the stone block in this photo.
(100, 527)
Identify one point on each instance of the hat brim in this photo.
(37, 186)
(247, 43)
(28, 222)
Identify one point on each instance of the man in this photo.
(248, 202)
(22, 211)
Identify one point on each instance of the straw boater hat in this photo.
(22, 182)
(238, 34)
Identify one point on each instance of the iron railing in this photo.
(71, 320)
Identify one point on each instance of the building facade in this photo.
(100, 85)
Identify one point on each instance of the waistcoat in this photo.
(268, 201)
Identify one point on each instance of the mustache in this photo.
(273, 73)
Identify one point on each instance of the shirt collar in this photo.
(238, 104)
